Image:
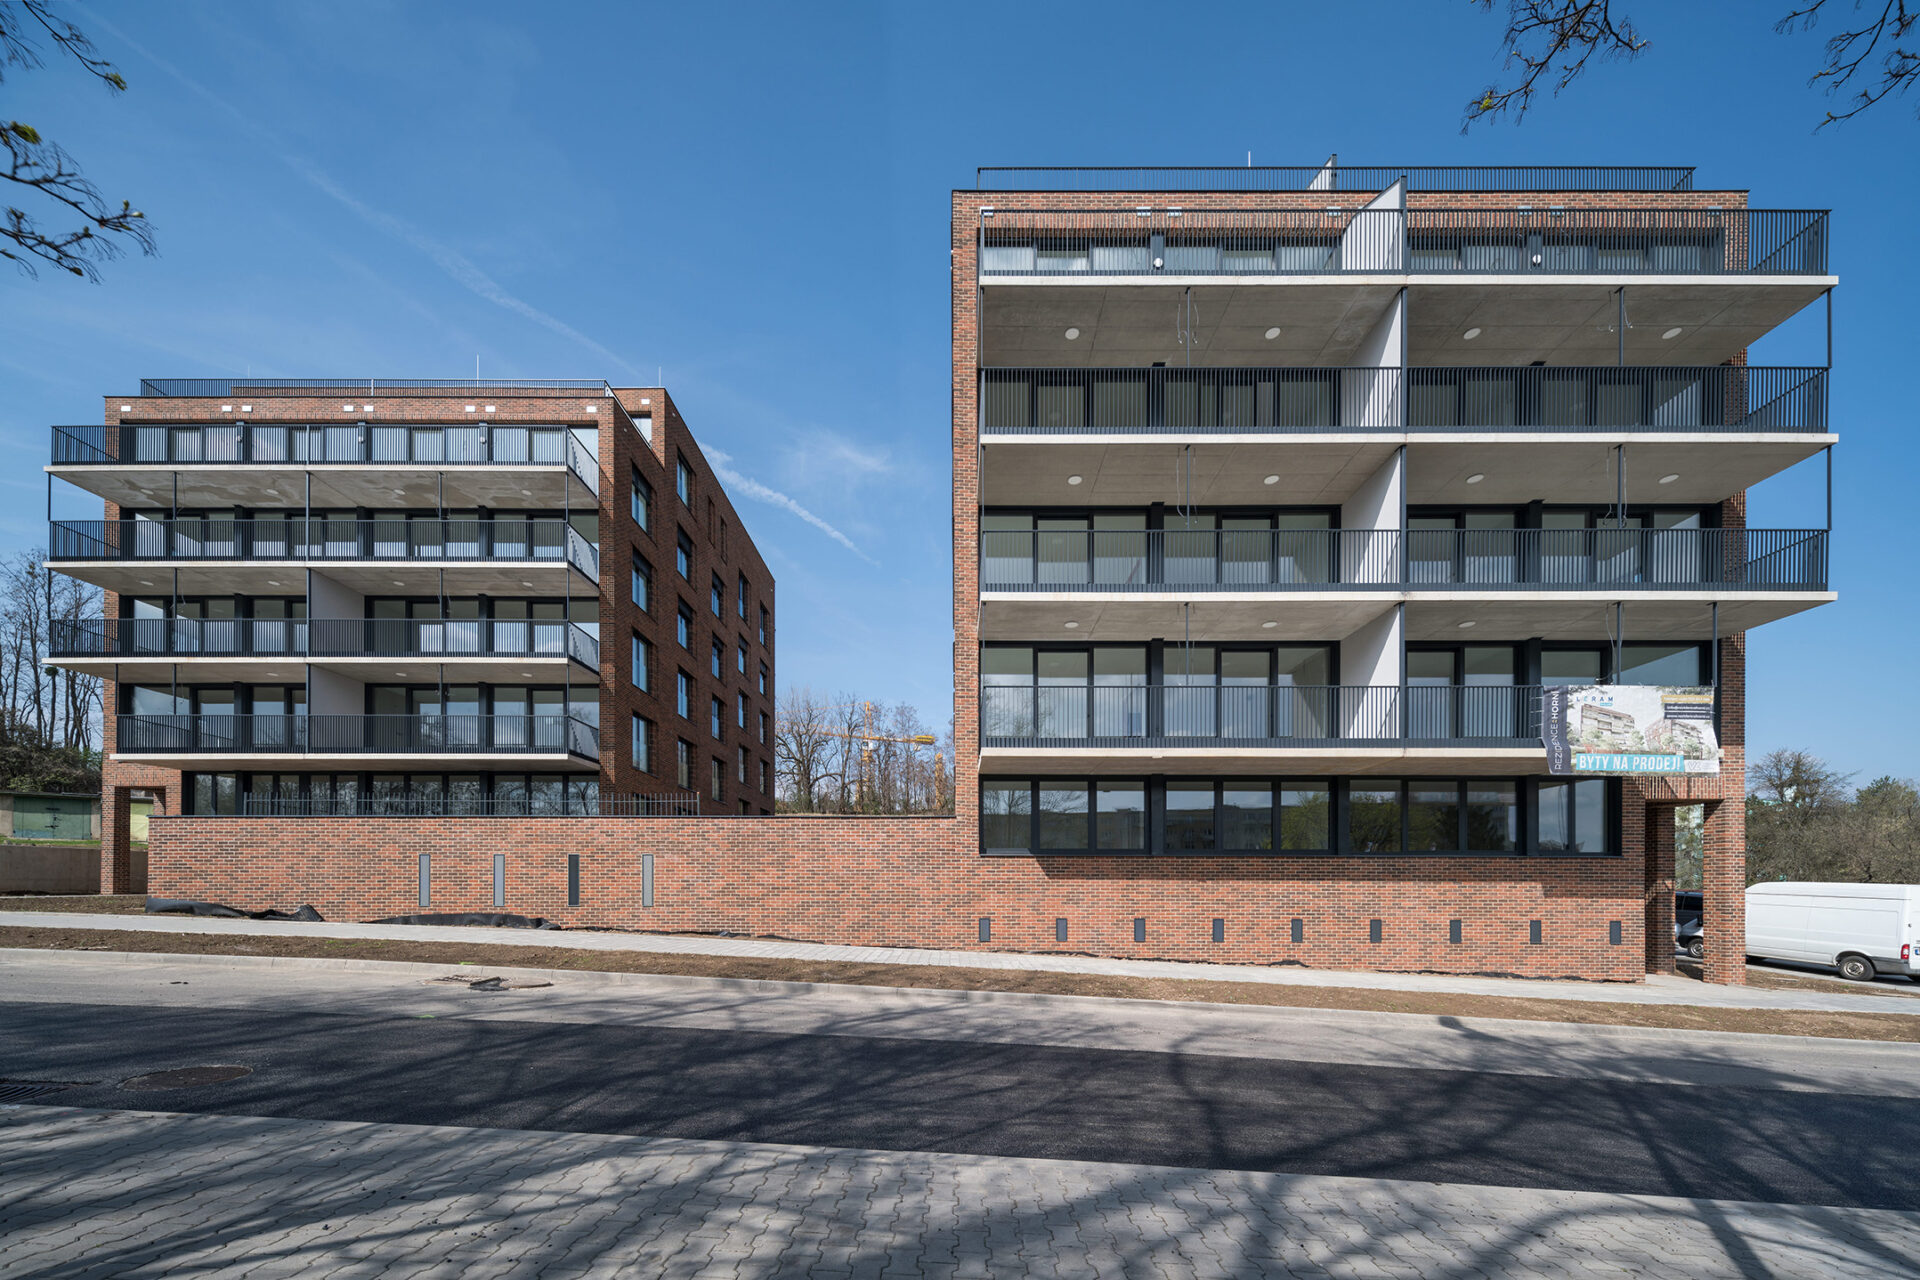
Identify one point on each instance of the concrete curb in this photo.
(426, 971)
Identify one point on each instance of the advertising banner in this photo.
(1628, 728)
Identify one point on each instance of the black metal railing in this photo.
(325, 538)
(169, 388)
(356, 735)
(436, 445)
(444, 640)
(1342, 240)
(1612, 398)
(562, 804)
(1253, 715)
(1453, 398)
(1062, 401)
(1334, 177)
(1199, 560)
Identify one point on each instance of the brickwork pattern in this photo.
(904, 882)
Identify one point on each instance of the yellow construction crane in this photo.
(866, 737)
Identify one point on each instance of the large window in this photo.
(740, 597)
(642, 587)
(1469, 817)
(685, 632)
(1190, 823)
(642, 500)
(642, 668)
(684, 697)
(683, 554)
(683, 479)
(718, 594)
(1572, 816)
(642, 744)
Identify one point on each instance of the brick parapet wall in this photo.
(911, 882)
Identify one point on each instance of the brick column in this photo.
(1723, 877)
(116, 840)
(1658, 873)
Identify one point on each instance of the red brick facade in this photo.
(721, 546)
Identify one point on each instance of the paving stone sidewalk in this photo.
(127, 1194)
(1655, 990)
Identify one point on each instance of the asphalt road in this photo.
(1178, 1109)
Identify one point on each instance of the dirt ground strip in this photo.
(128, 904)
(1854, 1026)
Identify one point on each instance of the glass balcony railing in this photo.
(325, 538)
(1606, 399)
(1334, 240)
(355, 735)
(1242, 560)
(1255, 715)
(438, 639)
(411, 445)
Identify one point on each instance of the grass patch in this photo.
(1858, 1026)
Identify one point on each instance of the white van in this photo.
(1860, 929)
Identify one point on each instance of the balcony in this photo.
(1607, 400)
(449, 641)
(239, 737)
(1180, 243)
(1105, 718)
(502, 549)
(1262, 561)
(240, 464)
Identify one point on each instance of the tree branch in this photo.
(1848, 52)
(1551, 40)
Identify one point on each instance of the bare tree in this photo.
(1551, 42)
(802, 751)
(33, 163)
(49, 717)
(853, 755)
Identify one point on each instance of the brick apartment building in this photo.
(1281, 498)
(333, 599)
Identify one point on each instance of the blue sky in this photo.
(751, 201)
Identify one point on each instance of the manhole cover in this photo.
(22, 1090)
(185, 1077)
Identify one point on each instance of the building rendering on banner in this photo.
(1281, 496)
(1351, 569)
(332, 598)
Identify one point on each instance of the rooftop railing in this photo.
(508, 538)
(271, 444)
(1258, 400)
(1229, 715)
(443, 640)
(1338, 241)
(355, 735)
(1334, 177)
(562, 804)
(1294, 560)
(170, 388)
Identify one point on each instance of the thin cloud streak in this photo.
(722, 464)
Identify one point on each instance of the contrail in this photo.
(735, 482)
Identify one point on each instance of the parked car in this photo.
(1688, 935)
(1860, 929)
